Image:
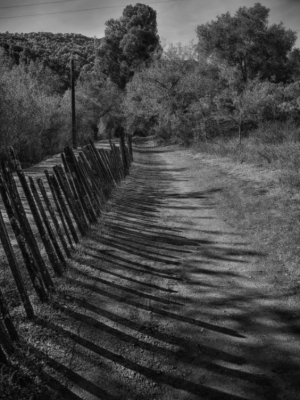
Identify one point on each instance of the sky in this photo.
(177, 19)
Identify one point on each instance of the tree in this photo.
(30, 111)
(247, 41)
(294, 65)
(98, 101)
(51, 50)
(258, 102)
(166, 96)
(129, 42)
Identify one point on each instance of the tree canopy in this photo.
(165, 97)
(129, 42)
(246, 40)
(53, 50)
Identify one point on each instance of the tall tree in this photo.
(129, 42)
(247, 41)
(171, 96)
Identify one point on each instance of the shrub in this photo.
(28, 112)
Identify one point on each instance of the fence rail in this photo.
(43, 216)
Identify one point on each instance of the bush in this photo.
(277, 132)
(29, 113)
(35, 119)
(165, 97)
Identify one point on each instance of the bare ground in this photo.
(187, 289)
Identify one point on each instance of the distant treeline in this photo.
(54, 50)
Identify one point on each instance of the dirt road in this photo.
(169, 300)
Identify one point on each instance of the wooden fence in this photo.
(62, 207)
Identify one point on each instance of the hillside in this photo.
(53, 49)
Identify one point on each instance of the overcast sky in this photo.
(177, 20)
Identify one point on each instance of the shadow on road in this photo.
(159, 303)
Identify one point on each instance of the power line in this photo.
(83, 9)
(38, 4)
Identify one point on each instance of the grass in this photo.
(273, 145)
(266, 207)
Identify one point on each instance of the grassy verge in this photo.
(273, 145)
(261, 180)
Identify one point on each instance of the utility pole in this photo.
(74, 131)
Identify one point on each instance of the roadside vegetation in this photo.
(35, 116)
(235, 91)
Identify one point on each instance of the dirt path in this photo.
(169, 300)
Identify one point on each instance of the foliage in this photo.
(223, 85)
(52, 50)
(247, 41)
(129, 42)
(294, 64)
(97, 100)
(35, 118)
(34, 83)
(29, 110)
(163, 96)
(290, 106)
(256, 102)
(180, 97)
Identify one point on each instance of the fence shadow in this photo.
(154, 309)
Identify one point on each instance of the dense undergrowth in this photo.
(35, 106)
(35, 117)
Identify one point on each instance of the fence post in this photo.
(56, 253)
(31, 265)
(88, 179)
(74, 190)
(5, 340)
(74, 130)
(96, 186)
(119, 161)
(54, 185)
(43, 234)
(130, 146)
(7, 319)
(107, 176)
(22, 217)
(53, 216)
(123, 151)
(3, 357)
(10, 255)
(83, 193)
(65, 186)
